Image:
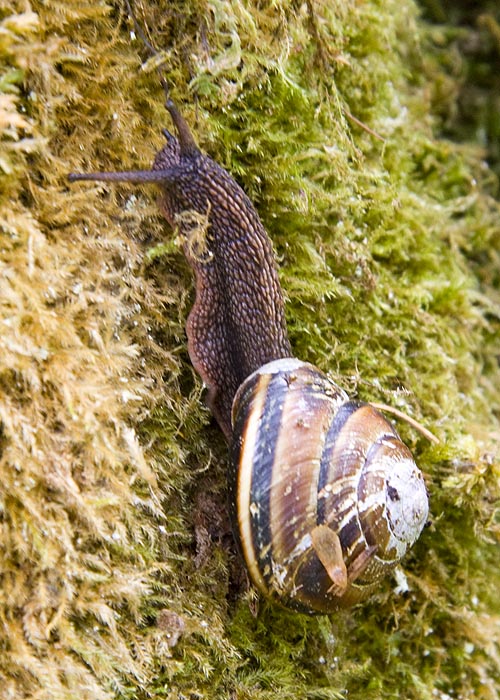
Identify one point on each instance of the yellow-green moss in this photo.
(114, 533)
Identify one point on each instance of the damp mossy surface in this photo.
(341, 120)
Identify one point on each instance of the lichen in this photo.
(118, 573)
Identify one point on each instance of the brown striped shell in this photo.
(326, 498)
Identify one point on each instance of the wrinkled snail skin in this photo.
(237, 322)
(305, 457)
(325, 497)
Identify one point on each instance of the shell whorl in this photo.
(308, 460)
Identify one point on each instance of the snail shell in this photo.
(311, 470)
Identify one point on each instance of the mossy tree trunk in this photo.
(118, 572)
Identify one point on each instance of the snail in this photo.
(325, 498)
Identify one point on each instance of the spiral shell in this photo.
(326, 498)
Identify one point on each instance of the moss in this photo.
(114, 532)
(465, 43)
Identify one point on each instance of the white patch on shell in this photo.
(404, 500)
(407, 503)
(254, 509)
(280, 574)
(302, 546)
(287, 364)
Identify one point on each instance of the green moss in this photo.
(114, 530)
(465, 44)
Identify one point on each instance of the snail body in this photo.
(324, 496)
(237, 322)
